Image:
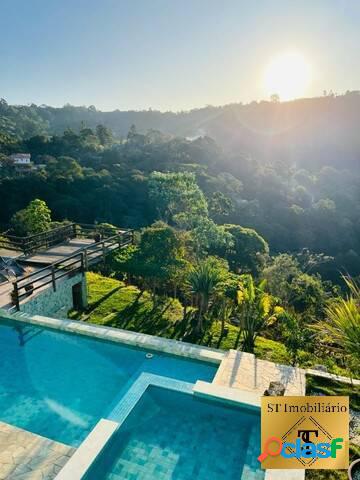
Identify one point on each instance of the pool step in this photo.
(252, 469)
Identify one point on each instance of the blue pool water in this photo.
(177, 436)
(59, 385)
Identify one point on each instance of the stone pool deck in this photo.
(25, 456)
(244, 371)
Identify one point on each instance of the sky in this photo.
(175, 54)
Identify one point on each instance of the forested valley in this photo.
(245, 218)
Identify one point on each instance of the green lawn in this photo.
(114, 304)
(325, 386)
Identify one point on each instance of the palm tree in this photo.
(256, 310)
(202, 282)
(342, 327)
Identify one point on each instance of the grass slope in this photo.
(114, 304)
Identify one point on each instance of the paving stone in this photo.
(26, 456)
(246, 372)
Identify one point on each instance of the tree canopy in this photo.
(35, 218)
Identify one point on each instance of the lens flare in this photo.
(287, 75)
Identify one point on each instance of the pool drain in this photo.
(149, 355)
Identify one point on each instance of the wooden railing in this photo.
(44, 240)
(33, 243)
(69, 266)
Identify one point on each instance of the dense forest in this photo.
(288, 170)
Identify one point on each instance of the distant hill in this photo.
(308, 132)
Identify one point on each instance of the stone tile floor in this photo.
(245, 371)
(26, 456)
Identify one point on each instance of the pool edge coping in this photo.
(228, 395)
(88, 451)
(127, 337)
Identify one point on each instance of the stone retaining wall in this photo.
(55, 304)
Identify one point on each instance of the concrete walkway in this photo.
(26, 456)
(246, 372)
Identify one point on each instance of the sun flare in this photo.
(287, 75)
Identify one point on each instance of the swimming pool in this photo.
(59, 384)
(179, 436)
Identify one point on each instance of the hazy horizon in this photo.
(238, 103)
(175, 57)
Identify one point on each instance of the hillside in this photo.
(309, 132)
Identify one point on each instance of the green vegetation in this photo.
(324, 386)
(97, 168)
(224, 285)
(217, 274)
(35, 218)
(114, 304)
(342, 329)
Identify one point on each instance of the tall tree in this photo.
(158, 259)
(177, 198)
(104, 135)
(66, 168)
(247, 251)
(35, 218)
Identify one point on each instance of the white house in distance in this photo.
(22, 162)
(21, 158)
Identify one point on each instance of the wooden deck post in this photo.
(16, 296)
(53, 277)
(86, 261)
(104, 251)
(82, 262)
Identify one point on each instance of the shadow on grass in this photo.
(125, 315)
(94, 305)
(144, 316)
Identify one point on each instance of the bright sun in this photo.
(287, 75)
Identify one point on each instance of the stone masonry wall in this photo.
(55, 304)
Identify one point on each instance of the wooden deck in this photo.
(4, 252)
(47, 266)
(56, 253)
(39, 260)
